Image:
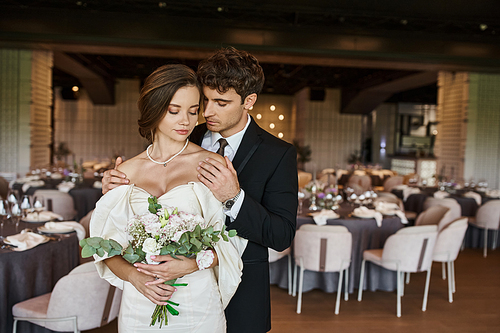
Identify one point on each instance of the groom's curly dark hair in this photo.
(232, 68)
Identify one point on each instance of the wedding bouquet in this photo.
(163, 231)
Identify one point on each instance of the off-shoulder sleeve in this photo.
(229, 269)
(109, 220)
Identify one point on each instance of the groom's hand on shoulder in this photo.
(113, 178)
(221, 179)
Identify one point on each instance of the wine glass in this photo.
(301, 196)
(4, 215)
(17, 213)
(26, 206)
(38, 205)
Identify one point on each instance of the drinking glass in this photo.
(4, 215)
(38, 205)
(26, 206)
(17, 214)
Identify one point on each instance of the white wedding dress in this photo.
(208, 292)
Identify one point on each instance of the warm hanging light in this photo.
(280, 135)
(75, 88)
(281, 117)
(272, 108)
(272, 126)
(259, 116)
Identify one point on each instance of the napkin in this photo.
(65, 186)
(25, 240)
(44, 216)
(402, 216)
(32, 183)
(475, 196)
(409, 191)
(493, 193)
(54, 226)
(365, 212)
(325, 214)
(441, 194)
(400, 187)
(383, 206)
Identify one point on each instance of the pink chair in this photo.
(392, 182)
(453, 214)
(275, 256)
(324, 248)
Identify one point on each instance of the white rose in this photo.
(153, 229)
(150, 245)
(204, 259)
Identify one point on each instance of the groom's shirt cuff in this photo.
(233, 212)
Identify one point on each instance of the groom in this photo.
(258, 188)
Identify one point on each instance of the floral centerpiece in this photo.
(322, 195)
(163, 231)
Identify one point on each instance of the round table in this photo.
(33, 272)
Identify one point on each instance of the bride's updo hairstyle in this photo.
(157, 93)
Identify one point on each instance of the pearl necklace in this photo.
(170, 159)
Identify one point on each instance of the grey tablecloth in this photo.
(365, 235)
(32, 273)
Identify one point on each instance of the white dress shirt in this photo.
(210, 142)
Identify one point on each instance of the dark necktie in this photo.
(223, 143)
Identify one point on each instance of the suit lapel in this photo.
(249, 144)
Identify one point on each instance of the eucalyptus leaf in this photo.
(196, 242)
(232, 233)
(94, 241)
(114, 252)
(131, 258)
(171, 247)
(83, 242)
(196, 232)
(215, 238)
(115, 245)
(164, 251)
(100, 252)
(224, 237)
(88, 251)
(105, 245)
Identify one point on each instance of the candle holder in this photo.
(313, 205)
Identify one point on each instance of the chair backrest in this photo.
(323, 248)
(304, 178)
(4, 188)
(392, 182)
(432, 215)
(275, 255)
(453, 214)
(62, 203)
(81, 293)
(488, 215)
(449, 240)
(412, 247)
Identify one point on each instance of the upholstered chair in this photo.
(488, 218)
(324, 248)
(408, 250)
(392, 182)
(58, 202)
(275, 256)
(80, 301)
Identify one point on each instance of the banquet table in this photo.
(33, 272)
(365, 235)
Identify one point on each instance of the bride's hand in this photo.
(157, 292)
(169, 268)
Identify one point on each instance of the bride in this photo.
(169, 104)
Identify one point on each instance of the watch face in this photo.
(229, 204)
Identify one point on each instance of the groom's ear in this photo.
(250, 101)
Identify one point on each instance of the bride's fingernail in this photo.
(135, 265)
(153, 257)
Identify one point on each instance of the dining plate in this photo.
(34, 220)
(59, 230)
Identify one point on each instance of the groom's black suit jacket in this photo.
(267, 172)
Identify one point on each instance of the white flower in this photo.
(178, 235)
(204, 259)
(153, 228)
(150, 245)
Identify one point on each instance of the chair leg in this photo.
(485, 250)
(361, 277)
(339, 291)
(14, 327)
(294, 287)
(398, 294)
(346, 285)
(408, 278)
(402, 283)
(443, 270)
(75, 325)
(495, 239)
(450, 283)
(301, 280)
(426, 292)
(289, 274)
(453, 276)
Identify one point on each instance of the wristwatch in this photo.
(230, 202)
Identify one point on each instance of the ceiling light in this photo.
(435, 132)
(75, 88)
(280, 135)
(272, 126)
(483, 27)
(272, 108)
(220, 9)
(281, 117)
(259, 116)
